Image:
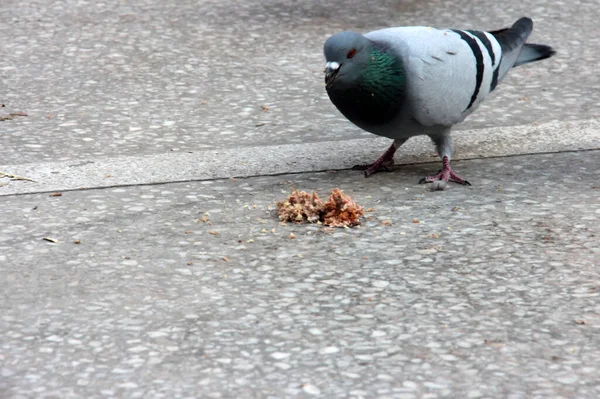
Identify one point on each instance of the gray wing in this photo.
(448, 72)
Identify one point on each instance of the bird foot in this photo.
(384, 162)
(445, 174)
(377, 166)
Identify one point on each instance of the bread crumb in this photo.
(339, 210)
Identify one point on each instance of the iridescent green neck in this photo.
(378, 95)
(384, 75)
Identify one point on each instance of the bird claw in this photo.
(445, 174)
(385, 162)
(377, 166)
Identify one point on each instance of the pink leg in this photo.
(446, 174)
(385, 162)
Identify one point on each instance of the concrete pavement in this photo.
(488, 291)
(161, 269)
(110, 78)
(293, 158)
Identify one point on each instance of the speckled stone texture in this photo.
(195, 289)
(293, 158)
(112, 78)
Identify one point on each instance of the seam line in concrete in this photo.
(358, 173)
(247, 162)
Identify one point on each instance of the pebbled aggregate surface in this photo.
(196, 290)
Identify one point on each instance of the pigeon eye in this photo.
(351, 53)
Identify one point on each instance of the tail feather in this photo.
(511, 41)
(534, 52)
(513, 37)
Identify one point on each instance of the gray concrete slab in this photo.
(488, 291)
(122, 290)
(113, 78)
(292, 158)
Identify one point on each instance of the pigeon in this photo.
(408, 81)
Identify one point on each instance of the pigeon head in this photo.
(364, 79)
(347, 55)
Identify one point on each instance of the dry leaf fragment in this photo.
(493, 342)
(264, 108)
(416, 221)
(49, 239)
(226, 259)
(386, 222)
(371, 210)
(455, 209)
(580, 321)
(56, 195)
(204, 220)
(213, 232)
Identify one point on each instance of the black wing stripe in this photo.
(478, 60)
(486, 42)
(495, 77)
(488, 45)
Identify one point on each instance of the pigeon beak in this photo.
(331, 69)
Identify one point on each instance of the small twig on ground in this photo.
(14, 177)
(12, 115)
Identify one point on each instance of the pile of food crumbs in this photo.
(301, 207)
(339, 210)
